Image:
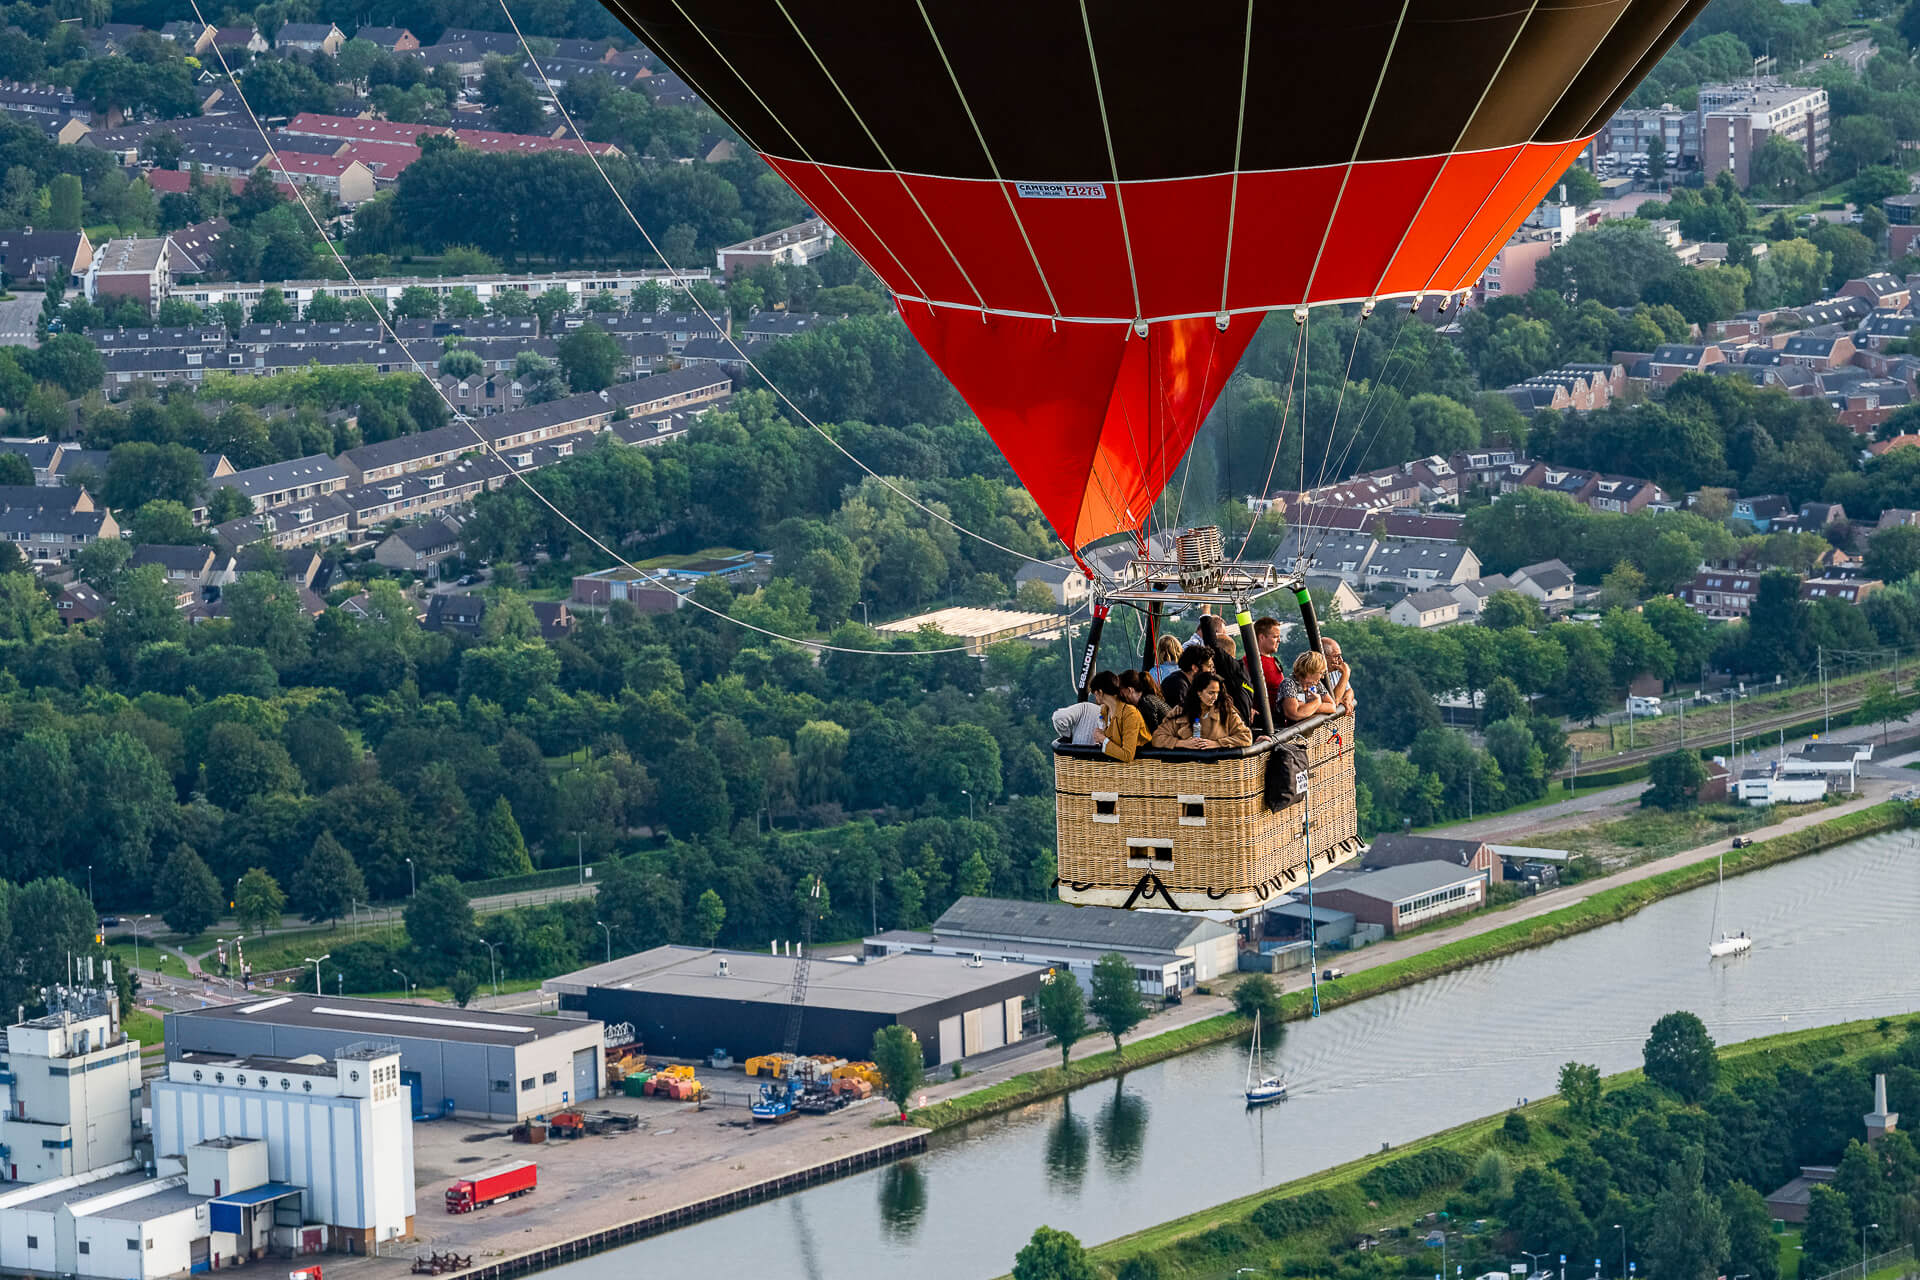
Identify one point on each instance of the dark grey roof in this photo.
(186, 559)
(1432, 598)
(1443, 558)
(357, 1019)
(1397, 884)
(315, 469)
(310, 32)
(1008, 919)
(1678, 353)
(887, 984)
(385, 37)
(430, 536)
(1393, 850)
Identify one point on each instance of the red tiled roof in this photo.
(300, 163)
(385, 161)
(180, 181)
(386, 133)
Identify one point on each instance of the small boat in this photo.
(1720, 944)
(1267, 1088)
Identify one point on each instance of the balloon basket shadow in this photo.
(1194, 830)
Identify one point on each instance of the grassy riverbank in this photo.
(1604, 907)
(1318, 1209)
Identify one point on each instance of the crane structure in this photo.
(777, 1101)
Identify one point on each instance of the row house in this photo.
(1884, 290)
(1416, 566)
(39, 257)
(1863, 404)
(1599, 492)
(1429, 608)
(581, 285)
(1549, 582)
(418, 546)
(1845, 590)
(309, 37)
(1434, 475)
(421, 493)
(1721, 593)
(1766, 512)
(280, 484)
(1483, 468)
(342, 177)
(320, 519)
(1671, 361)
(1330, 554)
(1473, 594)
(43, 455)
(1883, 327)
(196, 574)
(49, 525)
(390, 39)
(588, 411)
(1817, 351)
(1581, 388)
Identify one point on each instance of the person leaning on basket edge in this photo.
(1300, 693)
(1339, 675)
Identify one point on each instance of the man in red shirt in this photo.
(1266, 638)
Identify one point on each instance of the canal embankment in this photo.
(1388, 966)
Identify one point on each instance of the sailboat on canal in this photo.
(1721, 945)
(1267, 1088)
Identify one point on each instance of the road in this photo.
(1854, 55)
(18, 317)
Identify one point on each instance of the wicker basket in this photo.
(1192, 830)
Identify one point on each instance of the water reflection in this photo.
(1122, 1128)
(903, 1199)
(1834, 941)
(1067, 1150)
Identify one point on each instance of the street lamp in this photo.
(1534, 1259)
(609, 934)
(1865, 1227)
(315, 962)
(1623, 1249)
(413, 885)
(89, 884)
(136, 942)
(969, 795)
(493, 956)
(405, 981)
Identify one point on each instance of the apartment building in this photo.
(1737, 119)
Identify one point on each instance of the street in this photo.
(18, 316)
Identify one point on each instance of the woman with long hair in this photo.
(1207, 721)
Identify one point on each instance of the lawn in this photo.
(144, 1027)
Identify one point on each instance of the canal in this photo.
(1834, 941)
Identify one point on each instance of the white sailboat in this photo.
(1267, 1088)
(1721, 945)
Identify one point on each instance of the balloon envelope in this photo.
(1041, 183)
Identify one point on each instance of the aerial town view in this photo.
(1067, 641)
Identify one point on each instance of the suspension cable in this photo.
(726, 330)
(487, 445)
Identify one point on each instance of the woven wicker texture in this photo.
(1238, 846)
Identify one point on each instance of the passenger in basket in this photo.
(1078, 724)
(1300, 693)
(1139, 688)
(1226, 664)
(1266, 639)
(1194, 659)
(1123, 731)
(1166, 659)
(1209, 720)
(1339, 675)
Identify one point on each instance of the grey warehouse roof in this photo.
(890, 984)
(369, 1019)
(1104, 927)
(1396, 884)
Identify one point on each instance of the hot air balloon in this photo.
(1084, 208)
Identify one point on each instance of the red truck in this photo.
(502, 1183)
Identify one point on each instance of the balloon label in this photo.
(1061, 190)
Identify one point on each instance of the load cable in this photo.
(726, 330)
(487, 445)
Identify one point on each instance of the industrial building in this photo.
(337, 1133)
(69, 1090)
(1170, 951)
(464, 1061)
(1398, 898)
(687, 1002)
